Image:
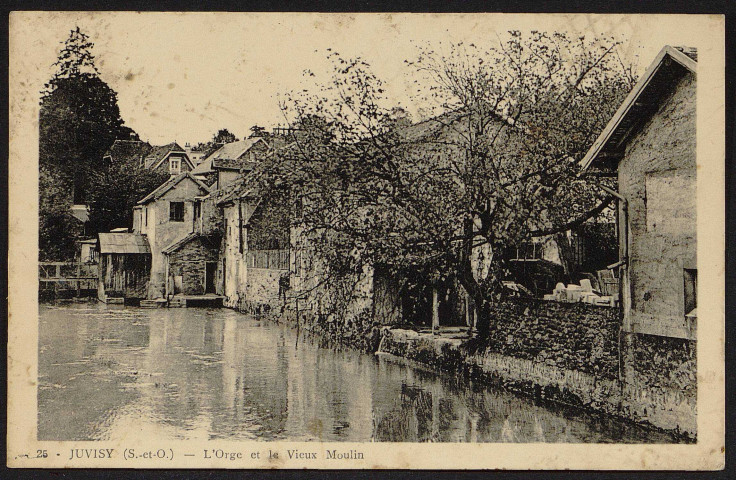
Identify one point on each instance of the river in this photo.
(203, 374)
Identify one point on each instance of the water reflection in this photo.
(205, 374)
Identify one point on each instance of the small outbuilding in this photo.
(191, 265)
(125, 267)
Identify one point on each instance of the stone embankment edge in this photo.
(546, 383)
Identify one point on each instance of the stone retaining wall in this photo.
(662, 408)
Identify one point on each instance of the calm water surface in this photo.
(107, 371)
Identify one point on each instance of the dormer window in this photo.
(175, 166)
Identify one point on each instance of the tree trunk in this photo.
(470, 284)
(564, 246)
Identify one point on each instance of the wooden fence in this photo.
(61, 276)
(270, 259)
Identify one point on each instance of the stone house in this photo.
(171, 159)
(254, 252)
(166, 217)
(649, 146)
(232, 160)
(191, 265)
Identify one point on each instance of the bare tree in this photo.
(497, 166)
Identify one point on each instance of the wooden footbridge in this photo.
(67, 278)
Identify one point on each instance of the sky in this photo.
(183, 76)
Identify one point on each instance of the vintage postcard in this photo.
(341, 241)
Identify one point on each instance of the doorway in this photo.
(210, 272)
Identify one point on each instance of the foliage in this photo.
(79, 115)
(497, 166)
(57, 229)
(224, 136)
(220, 138)
(258, 131)
(115, 190)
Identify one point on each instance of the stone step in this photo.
(152, 303)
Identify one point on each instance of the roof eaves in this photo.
(631, 99)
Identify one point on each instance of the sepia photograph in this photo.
(327, 240)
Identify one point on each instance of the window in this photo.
(197, 213)
(145, 210)
(691, 291)
(176, 211)
(174, 166)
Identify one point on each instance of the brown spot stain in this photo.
(129, 76)
(315, 427)
(170, 86)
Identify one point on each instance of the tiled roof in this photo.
(180, 243)
(208, 241)
(668, 67)
(169, 184)
(421, 130)
(227, 156)
(123, 243)
(158, 153)
(231, 164)
(241, 188)
(80, 212)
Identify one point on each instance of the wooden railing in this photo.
(67, 276)
(270, 259)
(49, 271)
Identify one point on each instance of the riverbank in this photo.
(592, 388)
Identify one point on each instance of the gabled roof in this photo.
(422, 130)
(241, 188)
(231, 164)
(228, 155)
(192, 236)
(179, 243)
(123, 243)
(160, 153)
(669, 66)
(128, 151)
(171, 183)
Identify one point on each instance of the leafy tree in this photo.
(451, 196)
(58, 229)
(79, 115)
(115, 190)
(258, 131)
(79, 120)
(224, 136)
